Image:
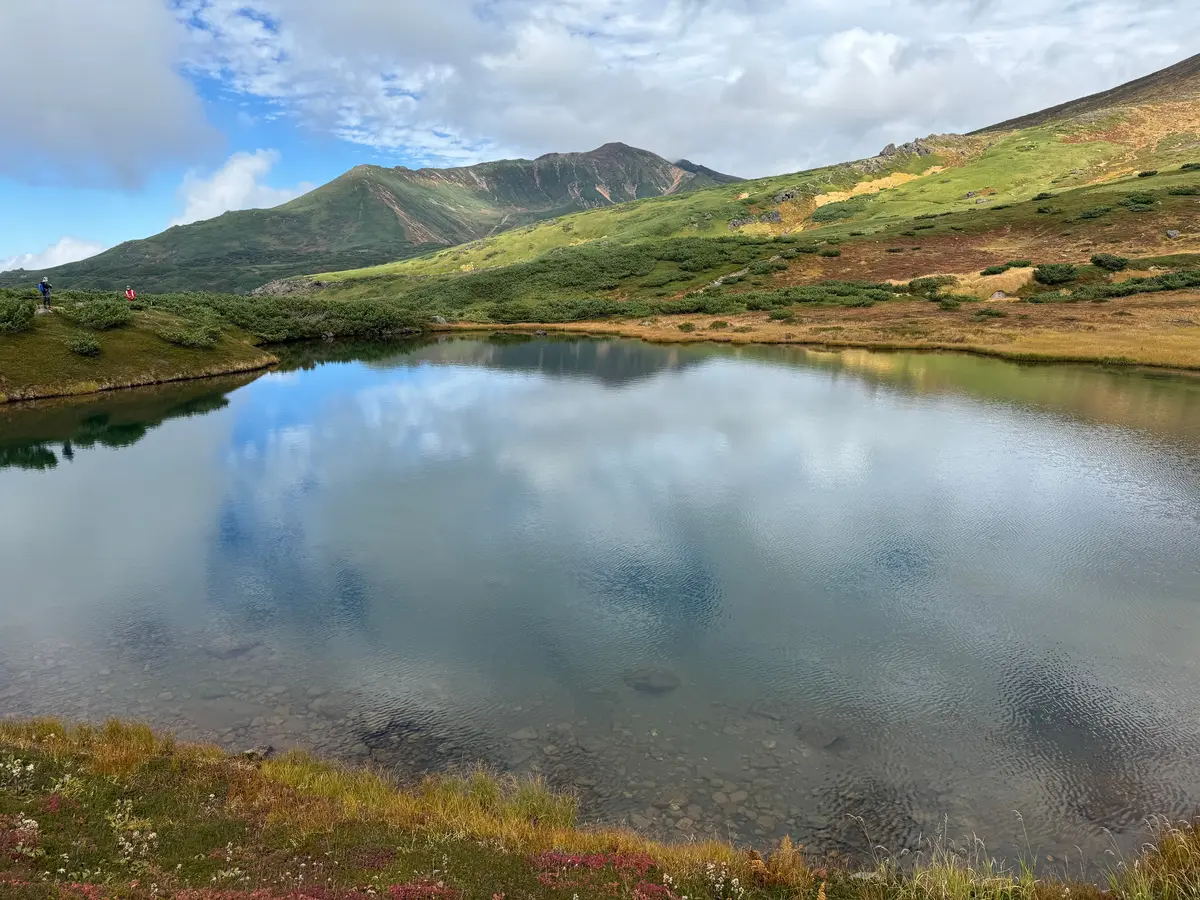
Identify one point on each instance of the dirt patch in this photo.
(872, 187)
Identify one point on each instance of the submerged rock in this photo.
(652, 680)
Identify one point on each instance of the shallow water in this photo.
(891, 595)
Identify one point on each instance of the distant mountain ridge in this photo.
(372, 214)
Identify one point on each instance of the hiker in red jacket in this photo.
(130, 294)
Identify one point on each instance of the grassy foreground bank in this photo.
(120, 812)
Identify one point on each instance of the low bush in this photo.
(895, 249)
(990, 312)
(1139, 202)
(1190, 167)
(1044, 195)
(1048, 210)
(198, 335)
(1149, 173)
(687, 326)
(1184, 190)
(718, 325)
(1019, 263)
(949, 304)
(98, 313)
(994, 270)
(931, 285)
(1110, 261)
(1095, 212)
(83, 345)
(1054, 273)
(782, 315)
(830, 252)
(16, 314)
(845, 209)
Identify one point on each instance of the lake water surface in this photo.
(878, 596)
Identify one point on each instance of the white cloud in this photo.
(91, 93)
(745, 85)
(238, 184)
(68, 249)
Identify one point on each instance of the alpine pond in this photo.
(858, 598)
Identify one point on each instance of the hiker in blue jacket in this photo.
(45, 287)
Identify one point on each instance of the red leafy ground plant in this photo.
(610, 873)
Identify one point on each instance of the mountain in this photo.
(1089, 149)
(372, 215)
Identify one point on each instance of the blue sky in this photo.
(132, 115)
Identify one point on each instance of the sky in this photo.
(125, 117)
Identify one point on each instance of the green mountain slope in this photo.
(371, 214)
(1150, 123)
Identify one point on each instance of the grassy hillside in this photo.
(371, 215)
(1150, 124)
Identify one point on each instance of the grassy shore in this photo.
(1160, 330)
(38, 363)
(120, 812)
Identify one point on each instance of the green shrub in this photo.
(1110, 261)
(1190, 167)
(1054, 273)
(83, 345)
(930, 285)
(830, 252)
(16, 314)
(718, 325)
(990, 312)
(782, 315)
(1149, 173)
(845, 209)
(98, 313)
(1139, 202)
(994, 270)
(1095, 212)
(1044, 195)
(199, 335)
(687, 326)
(895, 249)
(1185, 190)
(949, 304)
(808, 248)
(857, 233)
(1019, 263)
(1048, 210)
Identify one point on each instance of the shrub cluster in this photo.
(1110, 261)
(1054, 273)
(16, 314)
(98, 313)
(83, 345)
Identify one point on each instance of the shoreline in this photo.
(125, 811)
(1089, 334)
(90, 388)
(1130, 333)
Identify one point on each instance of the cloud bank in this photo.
(91, 93)
(238, 184)
(744, 85)
(67, 249)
